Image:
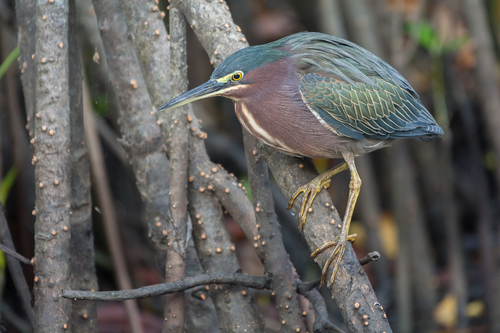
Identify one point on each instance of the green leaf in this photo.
(425, 35)
(7, 62)
(101, 105)
(6, 184)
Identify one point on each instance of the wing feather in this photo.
(383, 112)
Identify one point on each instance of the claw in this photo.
(310, 191)
(337, 254)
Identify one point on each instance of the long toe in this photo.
(336, 255)
(310, 191)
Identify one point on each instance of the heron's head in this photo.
(233, 74)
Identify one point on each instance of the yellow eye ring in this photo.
(237, 76)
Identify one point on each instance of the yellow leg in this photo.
(312, 188)
(340, 242)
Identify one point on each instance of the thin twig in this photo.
(15, 268)
(255, 282)
(321, 322)
(372, 256)
(15, 255)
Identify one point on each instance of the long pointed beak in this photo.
(207, 89)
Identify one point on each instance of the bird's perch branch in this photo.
(351, 284)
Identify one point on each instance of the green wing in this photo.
(358, 94)
(382, 111)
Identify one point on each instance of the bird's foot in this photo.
(338, 245)
(310, 191)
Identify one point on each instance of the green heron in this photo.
(319, 96)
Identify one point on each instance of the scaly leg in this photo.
(340, 242)
(312, 188)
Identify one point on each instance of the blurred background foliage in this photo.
(431, 210)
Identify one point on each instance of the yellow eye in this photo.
(237, 76)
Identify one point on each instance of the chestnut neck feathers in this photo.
(274, 112)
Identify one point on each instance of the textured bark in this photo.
(52, 174)
(235, 307)
(154, 56)
(83, 277)
(235, 310)
(274, 255)
(321, 322)
(351, 284)
(176, 253)
(200, 315)
(26, 20)
(141, 136)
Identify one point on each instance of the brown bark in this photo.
(52, 173)
(273, 254)
(351, 284)
(234, 308)
(25, 17)
(200, 315)
(141, 136)
(176, 254)
(321, 322)
(83, 277)
(26, 20)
